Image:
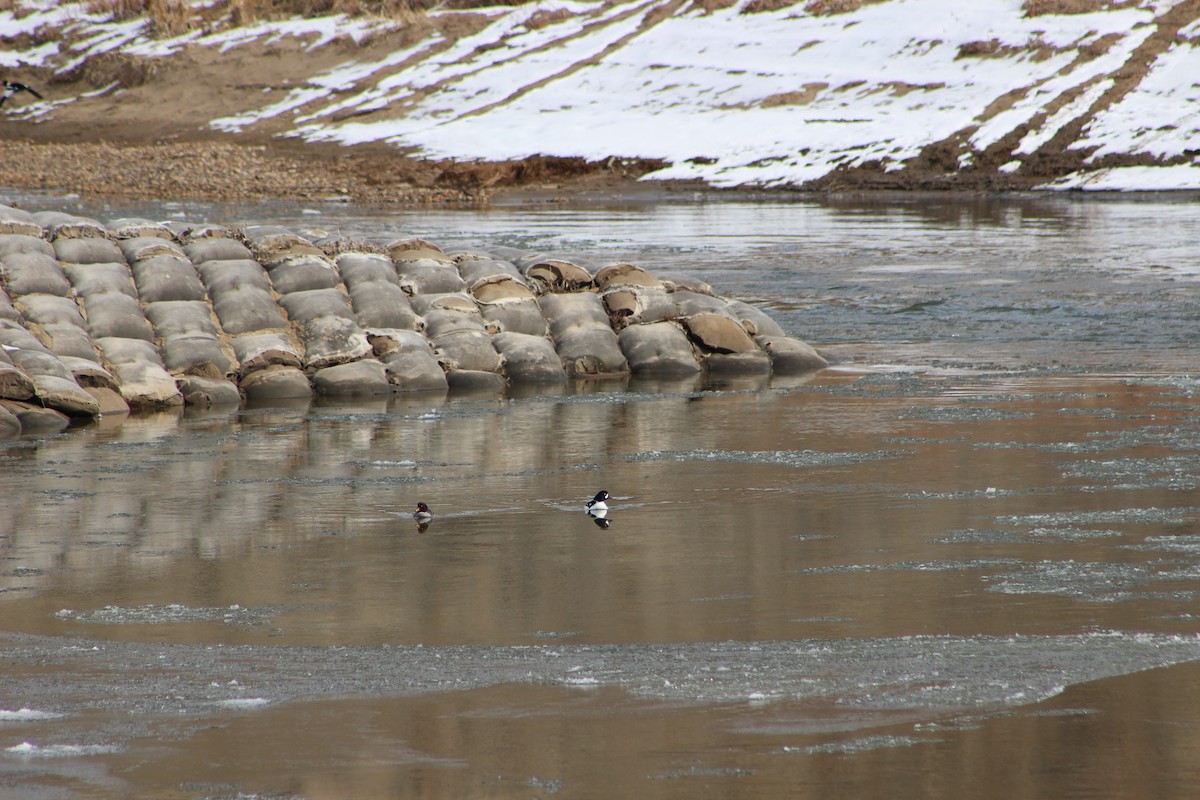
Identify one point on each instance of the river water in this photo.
(964, 561)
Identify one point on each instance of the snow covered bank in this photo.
(940, 89)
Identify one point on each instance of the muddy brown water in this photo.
(963, 562)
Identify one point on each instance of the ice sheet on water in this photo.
(930, 674)
(916, 566)
(1183, 543)
(245, 703)
(867, 743)
(701, 772)
(787, 458)
(963, 414)
(1093, 581)
(30, 750)
(159, 615)
(27, 715)
(986, 492)
(1158, 516)
(981, 536)
(1065, 533)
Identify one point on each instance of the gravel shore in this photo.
(222, 171)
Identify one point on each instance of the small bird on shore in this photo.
(12, 87)
(598, 504)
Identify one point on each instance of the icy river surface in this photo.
(963, 562)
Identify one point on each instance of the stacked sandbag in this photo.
(187, 233)
(14, 383)
(189, 338)
(724, 345)
(632, 296)
(16, 221)
(101, 282)
(294, 263)
(529, 358)
(583, 338)
(688, 302)
(638, 307)
(171, 312)
(76, 341)
(17, 390)
(379, 302)
(327, 327)
(460, 336)
(787, 354)
(508, 304)
(410, 362)
(141, 373)
(10, 423)
(503, 296)
(269, 356)
(177, 306)
(8, 312)
(139, 228)
(194, 347)
(721, 343)
(658, 349)
(549, 275)
(136, 247)
(475, 266)
(423, 268)
(462, 339)
(691, 284)
(44, 337)
(16, 241)
(47, 396)
(42, 293)
(336, 349)
(383, 310)
(58, 225)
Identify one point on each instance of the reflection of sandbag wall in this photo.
(143, 315)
